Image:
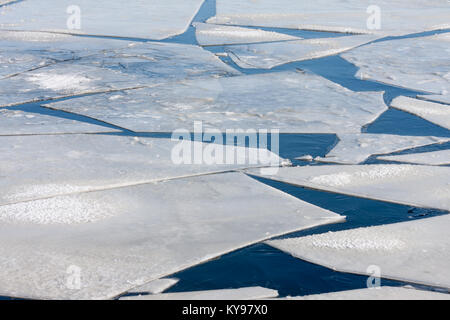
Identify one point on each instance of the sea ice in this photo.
(416, 251)
(211, 35)
(415, 63)
(156, 19)
(398, 17)
(151, 231)
(357, 148)
(418, 186)
(380, 293)
(252, 293)
(63, 164)
(434, 112)
(155, 286)
(290, 101)
(270, 55)
(435, 158)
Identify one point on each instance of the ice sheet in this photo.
(17, 122)
(418, 186)
(290, 101)
(357, 148)
(445, 99)
(210, 34)
(435, 158)
(55, 165)
(252, 293)
(153, 230)
(397, 17)
(270, 55)
(142, 64)
(155, 286)
(382, 293)
(156, 19)
(416, 63)
(434, 112)
(416, 251)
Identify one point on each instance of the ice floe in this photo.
(270, 55)
(62, 164)
(397, 17)
(155, 287)
(416, 251)
(251, 293)
(357, 148)
(419, 186)
(380, 293)
(151, 231)
(435, 158)
(290, 101)
(210, 35)
(434, 112)
(156, 19)
(137, 65)
(419, 64)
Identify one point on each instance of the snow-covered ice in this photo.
(151, 231)
(436, 113)
(251, 293)
(435, 158)
(381, 293)
(155, 287)
(62, 164)
(416, 251)
(415, 63)
(290, 101)
(270, 55)
(419, 186)
(398, 17)
(156, 19)
(211, 34)
(357, 148)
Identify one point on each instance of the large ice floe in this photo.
(252, 293)
(435, 158)
(156, 19)
(427, 186)
(398, 17)
(137, 65)
(154, 287)
(416, 251)
(434, 112)
(142, 233)
(62, 164)
(213, 35)
(357, 148)
(379, 293)
(419, 64)
(270, 55)
(290, 101)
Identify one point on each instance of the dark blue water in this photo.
(262, 265)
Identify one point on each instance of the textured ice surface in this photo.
(210, 34)
(437, 98)
(382, 293)
(252, 293)
(143, 64)
(155, 286)
(269, 55)
(415, 63)
(17, 122)
(153, 230)
(430, 158)
(290, 101)
(419, 186)
(417, 251)
(436, 113)
(357, 148)
(23, 51)
(55, 165)
(156, 19)
(397, 17)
